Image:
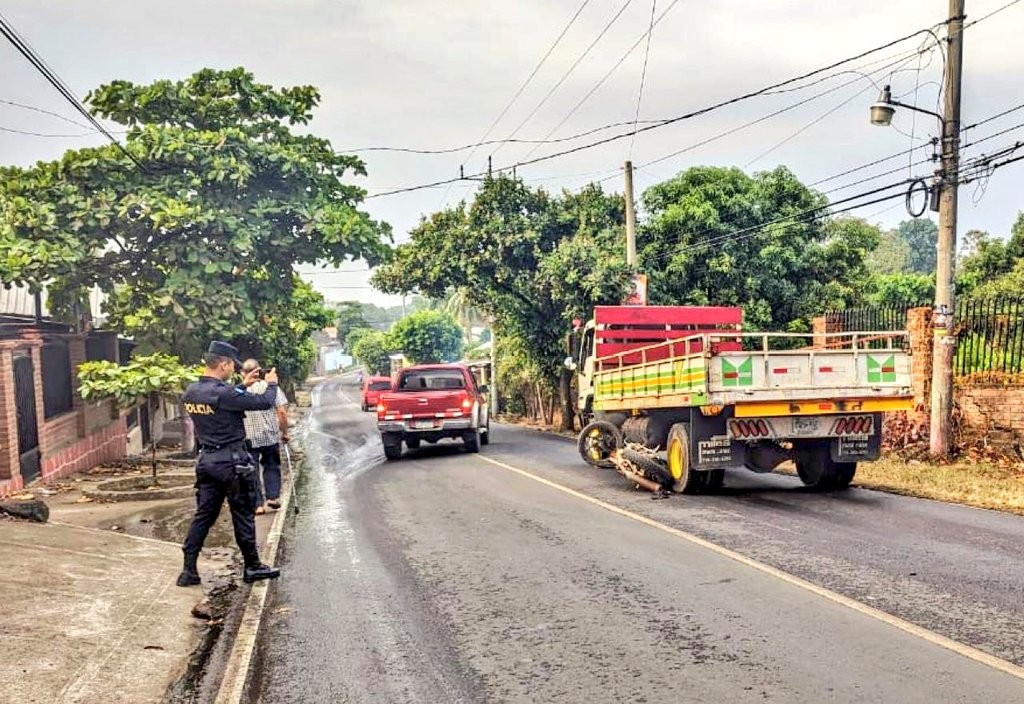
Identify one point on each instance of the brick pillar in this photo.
(919, 324)
(824, 325)
(77, 354)
(9, 458)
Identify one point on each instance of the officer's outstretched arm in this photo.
(236, 399)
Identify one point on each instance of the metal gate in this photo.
(28, 428)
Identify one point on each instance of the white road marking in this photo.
(906, 626)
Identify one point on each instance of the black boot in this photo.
(189, 576)
(259, 571)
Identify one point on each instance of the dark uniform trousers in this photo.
(216, 479)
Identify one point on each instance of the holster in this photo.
(245, 480)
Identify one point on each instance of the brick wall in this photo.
(105, 445)
(993, 414)
(87, 435)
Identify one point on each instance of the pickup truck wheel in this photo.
(392, 447)
(485, 438)
(685, 480)
(413, 443)
(472, 440)
(597, 442)
(816, 468)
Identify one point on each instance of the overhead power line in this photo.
(605, 77)
(33, 108)
(529, 79)
(8, 31)
(680, 118)
(569, 72)
(643, 73)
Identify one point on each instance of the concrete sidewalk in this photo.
(90, 613)
(91, 616)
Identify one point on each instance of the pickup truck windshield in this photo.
(432, 380)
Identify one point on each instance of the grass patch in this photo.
(980, 484)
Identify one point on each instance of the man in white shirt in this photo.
(264, 433)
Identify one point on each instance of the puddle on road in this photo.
(340, 444)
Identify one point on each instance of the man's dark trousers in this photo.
(215, 481)
(269, 458)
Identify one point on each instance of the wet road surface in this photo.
(446, 578)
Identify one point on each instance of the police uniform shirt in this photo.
(218, 410)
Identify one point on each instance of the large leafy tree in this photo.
(350, 317)
(373, 350)
(921, 236)
(429, 336)
(716, 236)
(527, 259)
(194, 226)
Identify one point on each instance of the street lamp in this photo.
(885, 108)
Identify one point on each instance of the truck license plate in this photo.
(422, 424)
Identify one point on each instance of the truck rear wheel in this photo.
(818, 470)
(597, 442)
(472, 440)
(392, 446)
(685, 480)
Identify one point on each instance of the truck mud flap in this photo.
(857, 448)
(710, 445)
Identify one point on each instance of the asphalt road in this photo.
(448, 578)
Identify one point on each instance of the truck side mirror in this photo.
(570, 364)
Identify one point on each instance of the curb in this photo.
(239, 661)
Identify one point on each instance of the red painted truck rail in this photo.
(625, 328)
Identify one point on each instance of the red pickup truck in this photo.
(431, 402)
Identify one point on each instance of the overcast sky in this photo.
(432, 74)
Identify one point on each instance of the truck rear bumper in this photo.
(420, 427)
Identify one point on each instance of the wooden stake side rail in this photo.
(695, 371)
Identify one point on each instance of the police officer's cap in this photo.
(223, 349)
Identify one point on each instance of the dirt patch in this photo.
(143, 488)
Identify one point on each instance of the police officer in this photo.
(225, 468)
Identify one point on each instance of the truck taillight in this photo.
(467, 403)
(381, 408)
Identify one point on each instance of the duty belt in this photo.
(226, 446)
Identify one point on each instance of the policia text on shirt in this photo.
(225, 468)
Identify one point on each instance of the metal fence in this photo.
(990, 336)
(889, 318)
(56, 373)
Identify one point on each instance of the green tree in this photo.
(890, 256)
(194, 228)
(922, 237)
(708, 241)
(527, 259)
(350, 317)
(282, 337)
(429, 336)
(1008, 285)
(374, 350)
(354, 336)
(138, 382)
(901, 289)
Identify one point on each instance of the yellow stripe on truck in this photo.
(824, 407)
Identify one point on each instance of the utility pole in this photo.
(630, 219)
(945, 340)
(495, 409)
